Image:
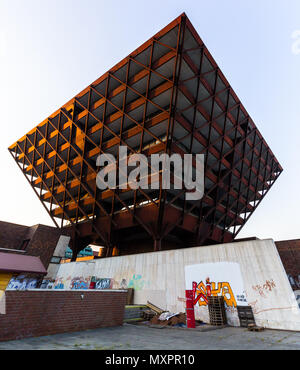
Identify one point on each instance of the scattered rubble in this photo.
(178, 319)
(157, 316)
(154, 316)
(148, 315)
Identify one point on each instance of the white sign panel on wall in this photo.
(216, 279)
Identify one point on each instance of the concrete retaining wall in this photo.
(245, 273)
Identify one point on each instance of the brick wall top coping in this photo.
(71, 290)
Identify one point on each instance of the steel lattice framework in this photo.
(168, 96)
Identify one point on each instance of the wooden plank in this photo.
(155, 308)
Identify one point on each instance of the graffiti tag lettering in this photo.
(202, 292)
(265, 288)
(22, 283)
(80, 283)
(103, 284)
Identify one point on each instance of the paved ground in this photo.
(133, 337)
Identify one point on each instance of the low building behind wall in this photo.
(44, 242)
(39, 240)
(245, 273)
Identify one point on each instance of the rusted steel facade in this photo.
(168, 96)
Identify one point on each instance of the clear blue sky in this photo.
(51, 49)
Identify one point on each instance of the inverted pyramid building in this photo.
(168, 96)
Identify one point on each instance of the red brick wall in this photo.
(289, 252)
(40, 313)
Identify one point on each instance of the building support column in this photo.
(109, 251)
(157, 245)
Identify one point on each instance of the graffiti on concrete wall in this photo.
(202, 291)
(264, 289)
(22, 283)
(47, 284)
(93, 282)
(77, 283)
(123, 284)
(80, 283)
(216, 279)
(119, 283)
(138, 283)
(102, 284)
(60, 283)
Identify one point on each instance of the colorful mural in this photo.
(202, 291)
(80, 283)
(216, 279)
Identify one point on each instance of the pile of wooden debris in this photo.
(178, 319)
(157, 316)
